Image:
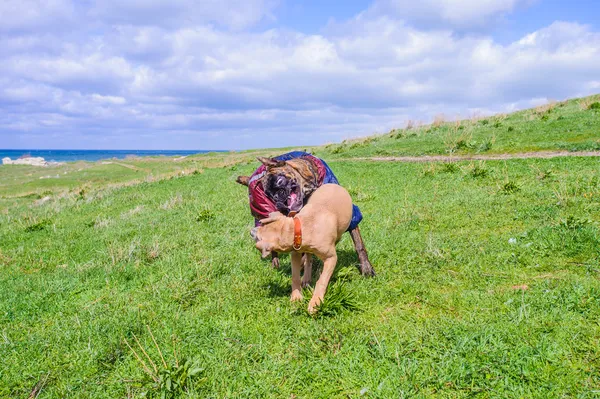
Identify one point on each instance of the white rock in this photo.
(33, 161)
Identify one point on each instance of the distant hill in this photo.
(571, 125)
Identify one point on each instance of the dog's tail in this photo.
(243, 180)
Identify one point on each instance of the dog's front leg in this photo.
(307, 260)
(296, 282)
(321, 286)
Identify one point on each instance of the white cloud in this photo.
(235, 14)
(38, 15)
(456, 13)
(205, 83)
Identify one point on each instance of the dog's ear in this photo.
(243, 180)
(273, 216)
(270, 162)
(265, 248)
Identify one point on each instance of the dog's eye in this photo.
(281, 181)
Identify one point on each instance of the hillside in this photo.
(572, 125)
(488, 274)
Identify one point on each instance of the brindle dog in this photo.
(289, 184)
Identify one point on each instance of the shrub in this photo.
(595, 106)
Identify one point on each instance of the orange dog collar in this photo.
(297, 234)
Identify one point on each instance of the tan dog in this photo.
(323, 220)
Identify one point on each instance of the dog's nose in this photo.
(253, 233)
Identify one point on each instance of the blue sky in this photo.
(237, 74)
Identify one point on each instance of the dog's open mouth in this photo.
(295, 200)
(285, 193)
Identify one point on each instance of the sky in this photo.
(239, 74)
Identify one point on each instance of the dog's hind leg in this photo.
(366, 269)
(307, 260)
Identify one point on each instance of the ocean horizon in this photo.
(95, 155)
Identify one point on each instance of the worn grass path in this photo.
(480, 157)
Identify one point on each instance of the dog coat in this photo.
(261, 205)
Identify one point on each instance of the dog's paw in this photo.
(296, 296)
(312, 305)
(275, 263)
(305, 283)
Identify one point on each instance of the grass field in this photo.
(488, 282)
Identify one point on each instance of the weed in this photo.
(487, 144)
(544, 174)
(38, 226)
(205, 215)
(429, 170)
(510, 187)
(438, 120)
(338, 299)
(173, 202)
(462, 144)
(450, 167)
(339, 149)
(153, 252)
(165, 381)
(510, 129)
(479, 171)
(574, 223)
(484, 122)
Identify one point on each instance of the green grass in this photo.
(487, 286)
(572, 125)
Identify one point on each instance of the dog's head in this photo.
(268, 234)
(288, 183)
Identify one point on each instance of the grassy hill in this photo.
(572, 125)
(488, 283)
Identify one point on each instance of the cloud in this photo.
(207, 84)
(446, 13)
(235, 14)
(38, 15)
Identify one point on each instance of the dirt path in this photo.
(124, 165)
(481, 157)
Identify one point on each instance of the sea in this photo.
(94, 155)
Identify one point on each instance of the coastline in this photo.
(61, 156)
